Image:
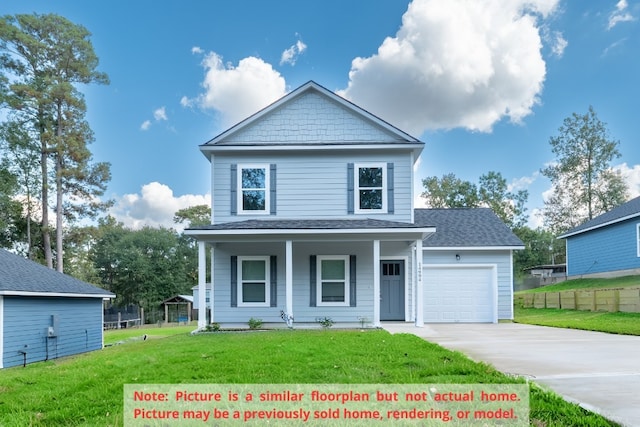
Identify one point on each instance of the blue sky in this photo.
(483, 83)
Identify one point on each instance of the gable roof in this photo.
(310, 116)
(466, 228)
(625, 211)
(23, 277)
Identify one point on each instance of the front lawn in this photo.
(87, 390)
(602, 321)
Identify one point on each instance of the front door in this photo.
(392, 290)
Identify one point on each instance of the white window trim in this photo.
(356, 187)
(638, 239)
(267, 281)
(267, 185)
(346, 301)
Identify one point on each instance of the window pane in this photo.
(370, 177)
(253, 178)
(253, 292)
(370, 199)
(253, 270)
(333, 292)
(253, 200)
(332, 269)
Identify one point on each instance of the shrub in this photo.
(325, 322)
(255, 323)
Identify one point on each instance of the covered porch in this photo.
(298, 271)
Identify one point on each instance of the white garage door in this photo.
(459, 294)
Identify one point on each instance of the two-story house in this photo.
(313, 217)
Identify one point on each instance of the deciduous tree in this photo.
(584, 185)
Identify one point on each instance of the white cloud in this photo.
(523, 183)
(631, 176)
(290, 55)
(559, 44)
(196, 50)
(238, 92)
(160, 114)
(620, 14)
(459, 63)
(154, 206)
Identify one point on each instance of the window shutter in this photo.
(234, 281)
(390, 191)
(352, 280)
(272, 189)
(350, 185)
(273, 270)
(312, 281)
(234, 189)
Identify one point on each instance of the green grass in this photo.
(115, 336)
(86, 390)
(581, 284)
(614, 323)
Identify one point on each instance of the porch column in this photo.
(288, 282)
(202, 285)
(211, 270)
(419, 288)
(376, 283)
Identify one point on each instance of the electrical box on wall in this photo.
(52, 331)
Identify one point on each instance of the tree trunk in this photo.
(46, 236)
(59, 250)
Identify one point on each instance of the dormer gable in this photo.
(309, 116)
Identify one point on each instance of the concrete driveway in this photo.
(600, 372)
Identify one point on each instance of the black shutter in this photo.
(350, 188)
(390, 191)
(352, 280)
(312, 281)
(272, 189)
(234, 281)
(234, 189)
(273, 270)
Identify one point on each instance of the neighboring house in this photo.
(313, 216)
(606, 246)
(196, 298)
(45, 314)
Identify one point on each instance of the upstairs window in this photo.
(253, 188)
(370, 188)
(638, 240)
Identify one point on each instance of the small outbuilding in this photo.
(45, 314)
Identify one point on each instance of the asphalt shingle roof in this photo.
(626, 210)
(18, 274)
(309, 224)
(466, 227)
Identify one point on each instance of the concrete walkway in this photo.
(600, 372)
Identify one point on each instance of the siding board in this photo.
(26, 320)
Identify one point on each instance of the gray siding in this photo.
(312, 185)
(302, 251)
(502, 258)
(311, 117)
(26, 320)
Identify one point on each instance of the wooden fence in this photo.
(626, 300)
